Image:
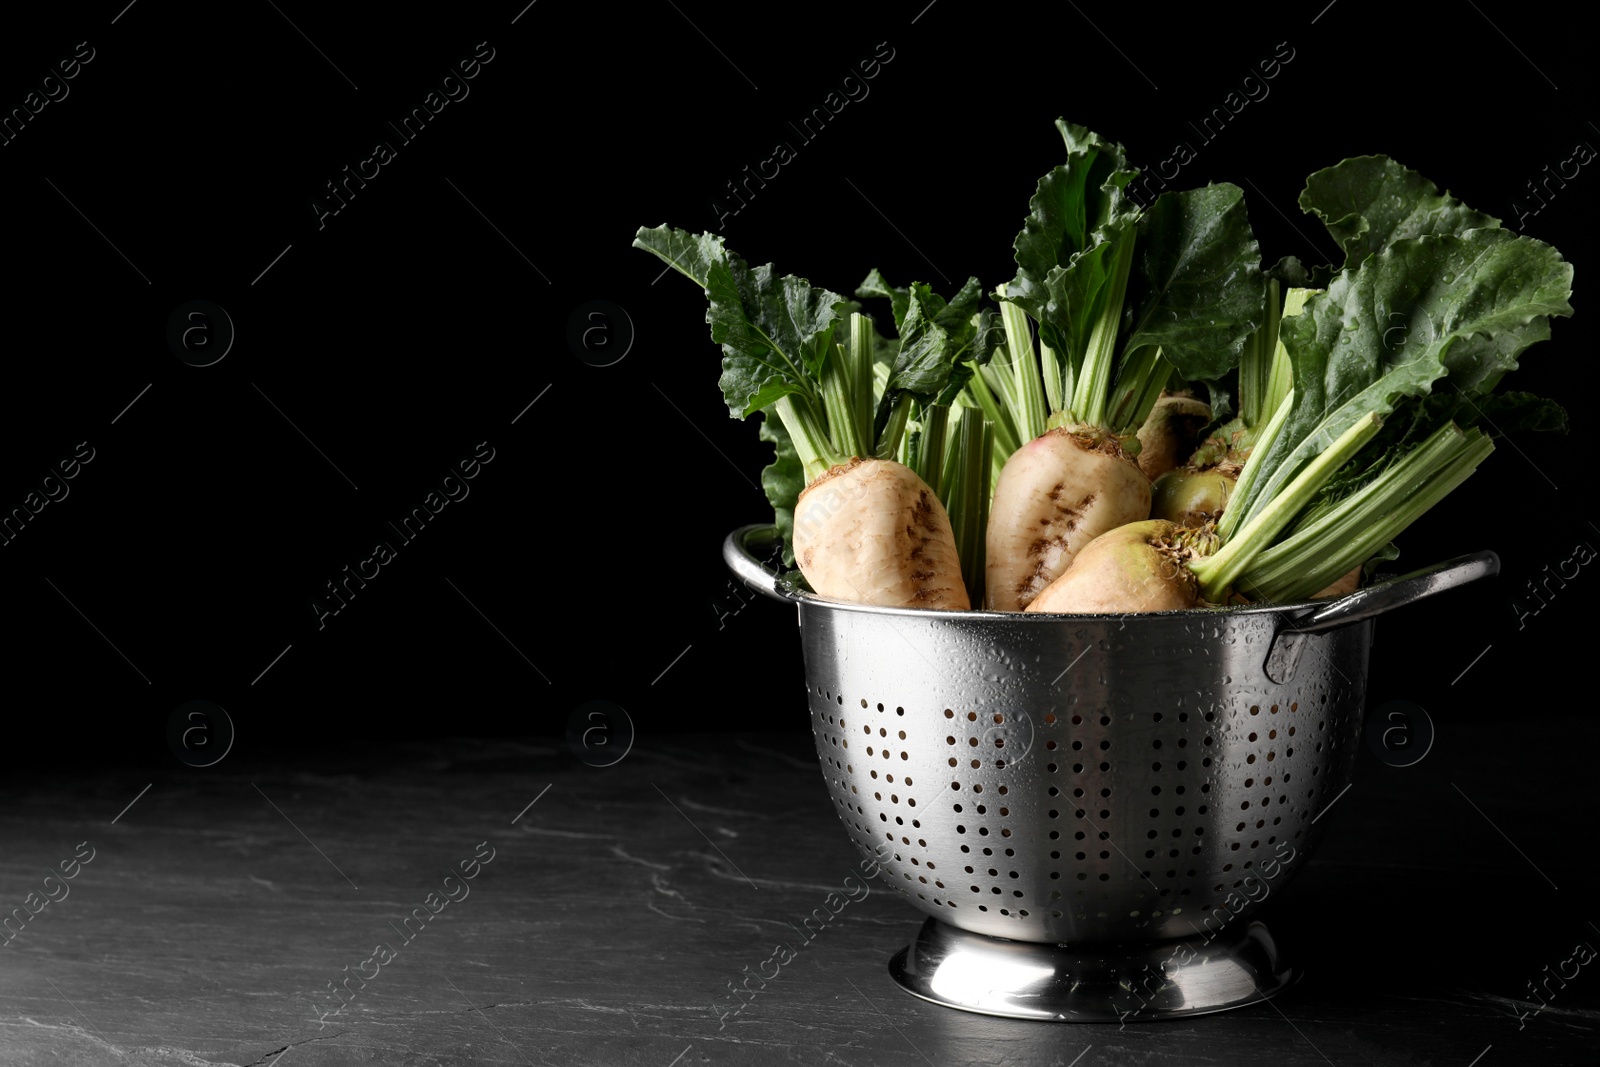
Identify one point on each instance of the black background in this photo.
(414, 324)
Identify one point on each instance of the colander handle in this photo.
(736, 553)
(1392, 593)
(1284, 657)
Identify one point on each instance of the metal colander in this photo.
(1088, 780)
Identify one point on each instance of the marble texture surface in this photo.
(616, 906)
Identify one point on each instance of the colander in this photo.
(1089, 808)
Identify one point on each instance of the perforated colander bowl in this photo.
(1088, 780)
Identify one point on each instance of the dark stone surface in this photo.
(217, 911)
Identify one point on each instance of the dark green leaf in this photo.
(782, 480)
(1196, 288)
(1497, 414)
(1503, 413)
(1075, 212)
(692, 255)
(1391, 328)
(933, 336)
(1387, 554)
(956, 315)
(988, 334)
(876, 285)
(1371, 201)
(775, 333)
(1290, 273)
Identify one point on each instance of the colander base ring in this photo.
(1092, 983)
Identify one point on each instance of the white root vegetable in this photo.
(872, 532)
(1055, 494)
(1135, 568)
(1170, 433)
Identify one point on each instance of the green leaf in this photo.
(775, 332)
(1478, 362)
(1503, 413)
(1497, 414)
(1196, 289)
(782, 480)
(1290, 273)
(691, 255)
(934, 337)
(971, 337)
(923, 363)
(1395, 325)
(1387, 554)
(876, 285)
(1420, 418)
(956, 316)
(1076, 211)
(1369, 202)
(988, 335)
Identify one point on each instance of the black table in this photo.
(610, 910)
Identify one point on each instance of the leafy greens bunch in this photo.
(1004, 455)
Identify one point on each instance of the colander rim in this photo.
(1044, 617)
(1384, 593)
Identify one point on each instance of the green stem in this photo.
(817, 453)
(1057, 377)
(838, 402)
(1006, 438)
(930, 448)
(1255, 362)
(1351, 531)
(1252, 469)
(859, 360)
(894, 433)
(1280, 379)
(950, 473)
(1218, 572)
(973, 560)
(1145, 374)
(1028, 400)
(996, 375)
(1094, 375)
(967, 495)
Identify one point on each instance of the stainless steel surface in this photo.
(739, 552)
(1391, 593)
(1369, 603)
(1114, 983)
(1089, 779)
(1078, 779)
